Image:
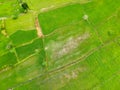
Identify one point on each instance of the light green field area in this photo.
(63, 47)
(24, 22)
(51, 4)
(55, 17)
(6, 7)
(79, 50)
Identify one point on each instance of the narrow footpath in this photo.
(38, 28)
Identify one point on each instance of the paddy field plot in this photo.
(79, 49)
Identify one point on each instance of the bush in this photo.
(15, 16)
(21, 10)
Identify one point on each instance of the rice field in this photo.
(78, 50)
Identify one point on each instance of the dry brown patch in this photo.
(38, 28)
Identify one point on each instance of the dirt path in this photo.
(38, 28)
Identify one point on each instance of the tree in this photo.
(25, 6)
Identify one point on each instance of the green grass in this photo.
(59, 50)
(60, 17)
(24, 22)
(3, 45)
(100, 11)
(7, 59)
(99, 67)
(29, 49)
(74, 54)
(95, 71)
(110, 29)
(37, 5)
(6, 8)
(22, 72)
(21, 37)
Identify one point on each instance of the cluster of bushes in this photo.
(20, 7)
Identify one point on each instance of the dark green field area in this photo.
(21, 37)
(3, 45)
(12, 48)
(7, 59)
(60, 45)
(29, 49)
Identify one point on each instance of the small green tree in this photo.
(25, 7)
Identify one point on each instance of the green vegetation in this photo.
(7, 59)
(79, 48)
(29, 49)
(24, 22)
(56, 19)
(21, 37)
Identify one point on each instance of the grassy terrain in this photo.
(56, 17)
(24, 22)
(20, 37)
(94, 72)
(74, 54)
(3, 44)
(31, 48)
(6, 7)
(22, 72)
(4, 60)
(58, 45)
